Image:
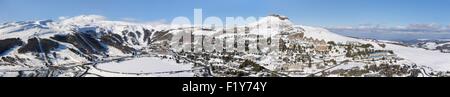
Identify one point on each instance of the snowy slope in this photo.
(434, 59)
(322, 33)
(83, 38)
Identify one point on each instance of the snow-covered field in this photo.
(145, 66)
(434, 59)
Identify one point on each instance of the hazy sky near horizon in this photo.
(325, 13)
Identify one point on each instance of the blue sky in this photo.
(328, 13)
(308, 12)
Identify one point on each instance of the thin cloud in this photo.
(403, 32)
(408, 29)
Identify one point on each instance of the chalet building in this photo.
(319, 45)
(310, 39)
(292, 66)
(296, 36)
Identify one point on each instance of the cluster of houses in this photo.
(292, 67)
(320, 46)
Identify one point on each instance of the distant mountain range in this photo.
(442, 45)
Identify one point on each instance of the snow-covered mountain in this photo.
(82, 45)
(77, 39)
(442, 45)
